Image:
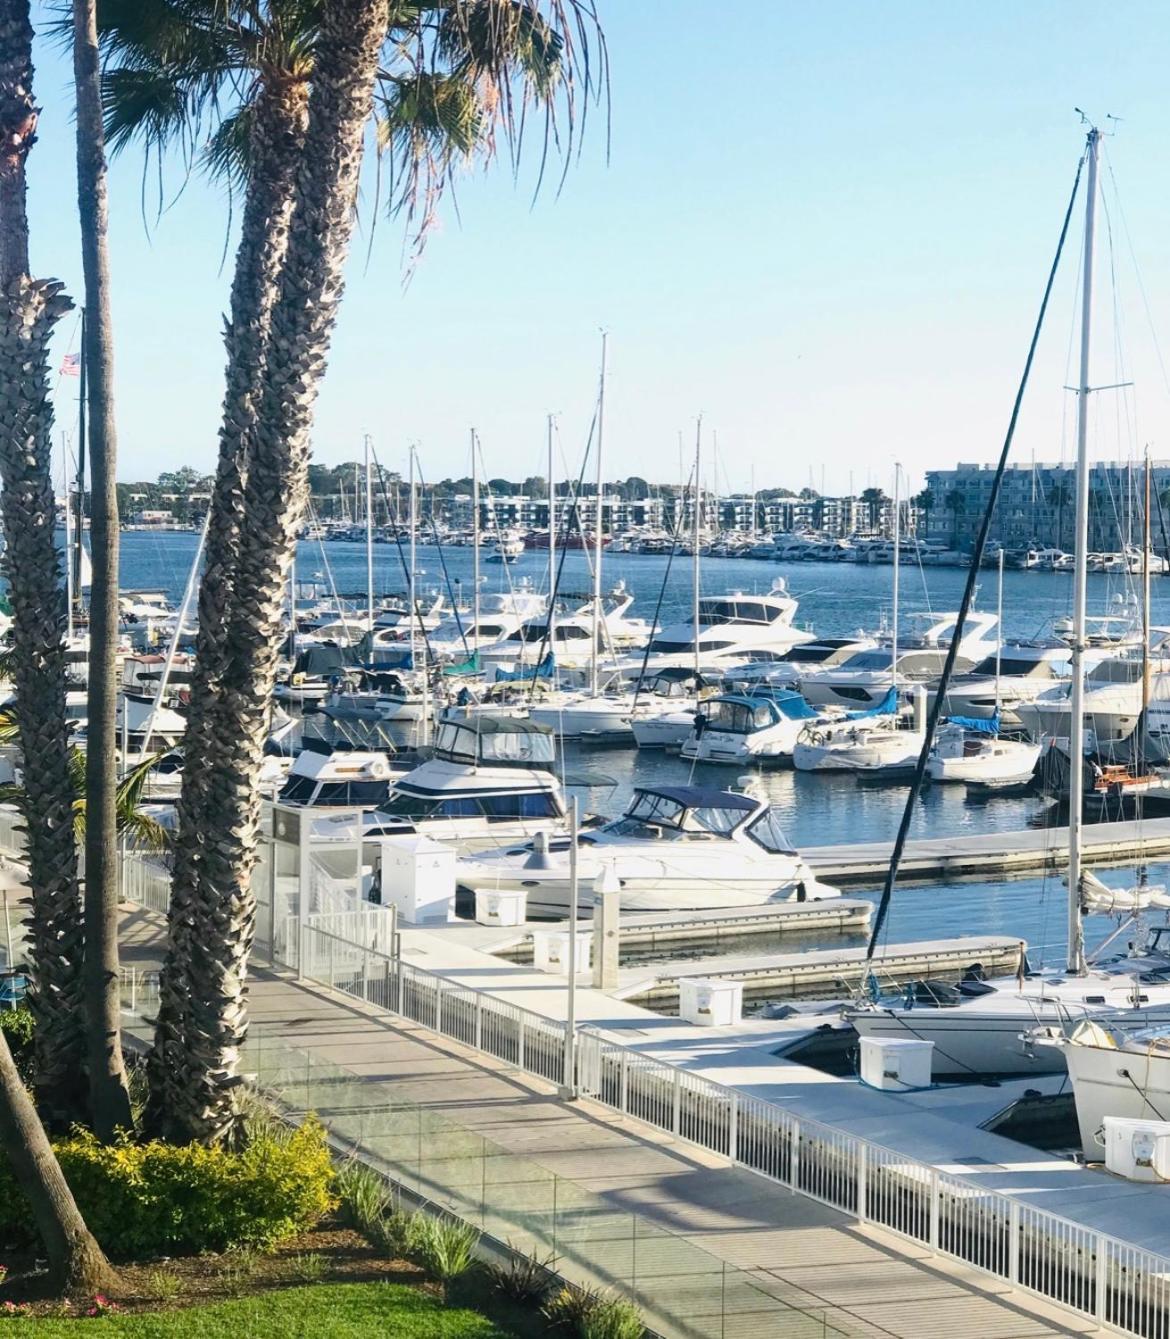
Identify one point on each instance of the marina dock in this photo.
(1031, 851)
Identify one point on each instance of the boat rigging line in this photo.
(937, 706)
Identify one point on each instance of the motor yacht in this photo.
(570, 637)
(865, 678)
(1112, 700)
(491, 779)
(1018, 673)
(508, 548)
(731, 628)
(460, 636)
(671, 697)
(675, 848)
(742, 728)
(822, 654)
(375, 696)
(322, 777)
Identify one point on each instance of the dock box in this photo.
(895, 1063)
(1139, 1150)
(496, 906)
(418, 877)
(550, 951)
(709, 1001)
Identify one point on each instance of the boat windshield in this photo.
(868, 660)
(460, 739)
(1009, 665)
(737, 611)
(767, 832)
(661, 817)
(739, 718)
(1116, 671)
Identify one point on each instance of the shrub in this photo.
(156, 1198)
(590, 1313)
(364, 1195)
(164, 1285)
(524, 1278)
(445, 1247)
(18, 1026)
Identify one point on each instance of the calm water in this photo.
(835, 599)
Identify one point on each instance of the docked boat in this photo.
(491, 779)
(1112, 702)
(740, 728)
(675, 848)
(865, 678)
(822, 654)
(508, 548)
(322, 777)
(461, 635)
(972, 750)
(1017, 674)
(882, 740)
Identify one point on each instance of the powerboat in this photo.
(731, 628)
(865, 678)
(570, 637)
(322, 777)
(675, 848)
(674, 689)
(491, 780)
(459, 636)
(822, 654)
(740, 728)
(1112, 699)
(1000, 683)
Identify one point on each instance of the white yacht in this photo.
(865, 678)
(999, 684)
(491, 780)
(376, 696)
(822, 654)
(675, 848)
(460, 636)
(731, 628)
(325, 778)
(508, 548)
(570, 637)
(965, 751)
(1112, 700)
(672, 697)
(740, 728)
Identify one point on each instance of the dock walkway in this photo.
(988, 854)
(867, 1282)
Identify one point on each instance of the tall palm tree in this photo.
(109, 1092)
(29, 310)
(452, 75)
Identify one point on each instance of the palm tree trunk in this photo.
(76, 1262)
(302, 322)
(29, 309)
(277, 139)
(109, 1094)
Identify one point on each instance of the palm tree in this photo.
(1062, 494)
(29, 309)
(956, 504)
(109, 1093)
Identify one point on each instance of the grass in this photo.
(326, 1311)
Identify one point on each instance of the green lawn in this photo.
(326, 1311)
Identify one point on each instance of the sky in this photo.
(823, 227)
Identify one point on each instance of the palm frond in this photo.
(145, 105)
(225, 156)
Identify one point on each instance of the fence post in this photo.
(332, 977)
(676, 1101)
(520, 1045)
(1101, 1290)
(794, 1156)
(934, 1206)
(862, 1181)
(624, 1084)
(1013, 1261)
(438, 1004)
(301, 973)
(733, 1127)
(478, 1021)
(365, 976)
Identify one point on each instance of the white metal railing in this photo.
(146, 879)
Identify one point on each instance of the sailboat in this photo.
(978, 1027)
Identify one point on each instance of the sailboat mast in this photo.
(1076, 749)
(413, 557)
(897, 569)
(1145, 614)
(597, 537)
(998, 630)
(369, 540)
(474, 543)
(696, 536)
(552, 523)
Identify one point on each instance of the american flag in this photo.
(71, 365)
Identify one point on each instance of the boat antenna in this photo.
(969, 588)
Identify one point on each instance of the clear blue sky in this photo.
(826, 226)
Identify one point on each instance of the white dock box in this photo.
(709, 1001)
(418, 877)
(1139, 1150)
(550, 951)
(896, 1063)
(501, 906)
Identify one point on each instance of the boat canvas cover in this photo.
(977, 725)
(542, 671)
(888, 706)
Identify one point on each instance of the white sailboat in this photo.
(979, 1027)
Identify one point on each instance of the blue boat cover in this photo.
(542, 671)
(977, 725)
(888, 706)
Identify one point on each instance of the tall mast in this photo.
(1076, 750)
(552, 524)
(474, 543)
(1145, 615)
(695, 532)
(897, 567)
(413, 556)
(369, 542)
(597, 544)
(998, 630)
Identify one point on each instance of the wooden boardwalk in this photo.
(865, 1281)
(988, 854)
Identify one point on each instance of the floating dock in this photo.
(647, 933)
(826, 973)
(1032, 851)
